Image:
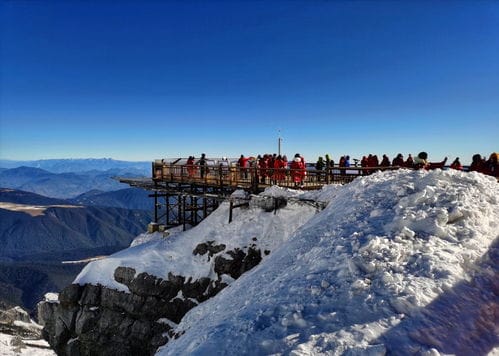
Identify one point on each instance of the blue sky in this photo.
(140, 80)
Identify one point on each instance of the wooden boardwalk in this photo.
(186, 194)
(253, 179)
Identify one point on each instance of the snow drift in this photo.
(399, 262)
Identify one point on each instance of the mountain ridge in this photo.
(64, 165)
(64, 185)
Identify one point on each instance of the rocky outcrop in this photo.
(17, 323)
(95, 320)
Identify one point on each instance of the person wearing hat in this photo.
(297, 170)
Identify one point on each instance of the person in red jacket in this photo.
(263, 165)
(280, 169)
(297, 170)
(243, 166)
(364, 163)
(372, 161)
(190, 166)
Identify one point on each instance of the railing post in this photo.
(254, 180)
(220, 176)
(156, 206)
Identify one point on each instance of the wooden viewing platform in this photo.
(186, 194)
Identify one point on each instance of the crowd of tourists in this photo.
(275, 168)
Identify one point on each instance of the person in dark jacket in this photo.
(364, 163)
(398, 161)
(492, 165)
(319, 166)
(456, 165)
(385, 162)
(409, 163)
(203, 166)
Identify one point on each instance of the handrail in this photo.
(255, 178)
(227, 173)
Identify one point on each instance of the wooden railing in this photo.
(254, 178)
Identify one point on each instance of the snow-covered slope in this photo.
(402, 262)
(159, 256)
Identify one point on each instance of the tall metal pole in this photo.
(279, 140)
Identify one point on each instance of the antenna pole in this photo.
(279, 140)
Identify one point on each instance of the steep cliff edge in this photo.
(130, 302)
(92, 319)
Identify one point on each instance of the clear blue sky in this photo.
(139, 80)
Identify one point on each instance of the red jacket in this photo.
(243, 162)
(297, 170)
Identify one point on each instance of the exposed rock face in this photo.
(16, 322)
(91, 320)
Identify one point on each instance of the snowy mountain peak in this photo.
(377, 271)
(399, 262)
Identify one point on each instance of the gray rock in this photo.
(95, 320)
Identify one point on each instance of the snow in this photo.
(388, 266)
(159, 255)
(51, 297)
(400, 262)
(18, 346)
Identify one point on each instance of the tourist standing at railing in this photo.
(477, 164)
(456, 165)
(319, 166)
(261, 165)
(385, 162)
(270, 169)
(329, 162)
(243, 166)
(285, 164)
(492, 165)
(203, 168)
(409, 163)
(375, 161)
(329, 165)
(280, 169)
(398, 161)
(421, 160)
(364, 163)
(190, 166)
(341, 164)
(224, 168)
(297, 170)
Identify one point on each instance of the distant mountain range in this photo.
(63, 209)
(64, 185)
(129, 198)
(81, 165)
(37, 233)
(32, 225)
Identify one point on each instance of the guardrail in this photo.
(254, 178)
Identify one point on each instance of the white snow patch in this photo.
(399, 262)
